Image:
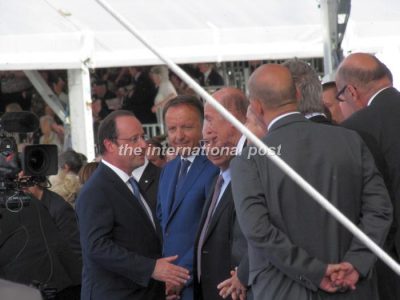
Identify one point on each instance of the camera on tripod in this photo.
(36, 161)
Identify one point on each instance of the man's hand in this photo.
(169, 273)
(326, 283)
(172, 292)
(346, 278)
(232, 286)
(339, 278)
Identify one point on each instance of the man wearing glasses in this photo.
(365, 83)
(120, 237)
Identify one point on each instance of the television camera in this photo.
(36, 161)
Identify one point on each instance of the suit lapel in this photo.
(194, 172)
(171, 188)
(127, 195)
(224, 202)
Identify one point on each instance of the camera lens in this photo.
(37, 161)
(40, 160)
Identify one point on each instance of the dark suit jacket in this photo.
(119, 243)
(142, 99)
(148, 184)
(27, 240)
(64, 217)
(291, 238)
(379, 126)
(213, 79)
(224, 248)
(180, 224)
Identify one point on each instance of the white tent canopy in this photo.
(49, 34)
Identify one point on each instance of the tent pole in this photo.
(80, 100)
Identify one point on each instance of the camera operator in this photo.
(61, 212)
(32, 250)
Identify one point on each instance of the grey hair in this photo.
(307, 82)
(161, 71)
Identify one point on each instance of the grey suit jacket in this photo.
(291, 238)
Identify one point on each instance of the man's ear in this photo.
(109, 145)
(355, 97)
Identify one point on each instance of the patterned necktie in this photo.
(135, 188)
(213, 204)
(185, 163)
(136, 192)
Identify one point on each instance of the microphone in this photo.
(20, 122)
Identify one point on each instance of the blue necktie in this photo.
(136, 192)
(135, 188)
(185, 163)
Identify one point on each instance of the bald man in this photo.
(365, 83)
(296, 249)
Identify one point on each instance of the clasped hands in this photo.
(339, 278)
(233, 287)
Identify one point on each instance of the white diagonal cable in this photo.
(256, 141)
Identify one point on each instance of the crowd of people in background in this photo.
(152, 225)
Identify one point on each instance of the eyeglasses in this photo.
(340, 93)
(135, 138)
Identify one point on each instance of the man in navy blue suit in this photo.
(120, 237)
(184, 185)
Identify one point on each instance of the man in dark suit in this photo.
(309, 90)
(32, 249)
(148, 177)
(209, 76)
(141, 99)
(184, 184)
(365, 84)
(296, 248)
(220, 245)
(120, 237)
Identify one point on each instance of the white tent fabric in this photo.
(374, 27)
(60, 34)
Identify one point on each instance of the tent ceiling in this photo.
(60, 34)
(48, 34)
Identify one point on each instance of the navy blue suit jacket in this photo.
(179, 210)
(119, 243)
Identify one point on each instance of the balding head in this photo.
(272, 85)
(363, 69)
(234, 100)
(365, 73)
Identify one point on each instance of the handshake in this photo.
(339, 278)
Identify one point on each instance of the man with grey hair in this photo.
(309, 90)
(296, 249)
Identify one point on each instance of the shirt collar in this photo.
(138, 172)
(226, 175)
(281, 117)
(310, 115)
(240, 144)
(121, 174)
(374, 95)
(189, 158)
